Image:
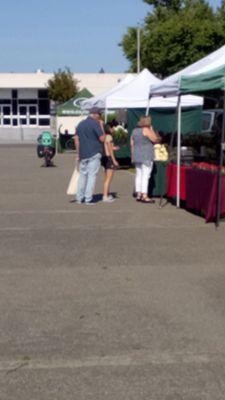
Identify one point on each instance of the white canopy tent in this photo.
(134, 93)
(99, 101)
(171, 86)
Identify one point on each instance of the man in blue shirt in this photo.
(89, 140)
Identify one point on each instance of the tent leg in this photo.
(219, 191)
(148, 107)
(106, 115)
(178, 149)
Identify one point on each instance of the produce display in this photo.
(207, 167)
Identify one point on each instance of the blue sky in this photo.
(80, 34)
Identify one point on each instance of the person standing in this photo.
(89, 139)
(142, 153)
(109, 163)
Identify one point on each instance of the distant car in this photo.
(212, 121)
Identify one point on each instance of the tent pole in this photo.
(219, 192)
(178, 148)
(106, 115)
(148, 106)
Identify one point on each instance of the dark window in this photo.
(207, 121)
(23, 110)
(14, 94)
(15, 122)
(27, 101)
(6, 121)
(6, 110)
(14, 107)
(44, 107)
(5, 101)
(33, 121)
(43, 94)
(23, 121)
(44, 121)
(32, 110)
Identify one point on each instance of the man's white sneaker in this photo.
(108, 199)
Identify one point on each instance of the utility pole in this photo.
(138, 50)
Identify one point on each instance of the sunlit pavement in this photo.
(116, 301)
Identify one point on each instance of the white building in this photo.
(25, 106)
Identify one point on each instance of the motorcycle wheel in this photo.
(47, 160)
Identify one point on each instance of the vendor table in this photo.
(201, 192)
(157, 182)
(171, 173)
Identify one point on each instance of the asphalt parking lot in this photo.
(121, 301)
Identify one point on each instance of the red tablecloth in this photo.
(201, 192)
(171, 174)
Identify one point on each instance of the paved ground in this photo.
(119, 301)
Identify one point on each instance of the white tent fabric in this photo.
(171, 102)
(170, 86)
(99, 101)
(135, 94)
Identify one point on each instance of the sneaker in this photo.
(76, 201)
(111, 197)
(89, 203)
(108, 199)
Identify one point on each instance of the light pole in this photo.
(138, 49)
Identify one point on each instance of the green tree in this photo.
(175, 34)
(175, 4)
(62, 86)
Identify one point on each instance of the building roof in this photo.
(96, 82)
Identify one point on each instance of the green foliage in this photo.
(62, 86)
(120, 136)
(175, 4)
(175, 34)
(110, 117)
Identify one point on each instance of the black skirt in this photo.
(107, 162)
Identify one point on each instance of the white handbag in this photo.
(72, 187)
(160, 152)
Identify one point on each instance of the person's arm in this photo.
(102, 138)
(100, 131)
(111, 152)
(151, 134)
(77, 146)
(132, 148)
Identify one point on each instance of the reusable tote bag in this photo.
(72, 188)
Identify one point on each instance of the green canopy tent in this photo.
(72, 107)
(165, 120)
(203, 82)
(204, 76)
(212, 81)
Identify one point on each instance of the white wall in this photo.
(20, 134)
(5, 93)
(68, 123)
(27, 94)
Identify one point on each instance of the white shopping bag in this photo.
(72, 187)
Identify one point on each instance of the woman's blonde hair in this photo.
(144, 122)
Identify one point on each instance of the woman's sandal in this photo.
(147, 200)
(139, 197)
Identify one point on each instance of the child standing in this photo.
(109, 163)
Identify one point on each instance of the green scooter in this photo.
(46, 148)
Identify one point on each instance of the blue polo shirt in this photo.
(89, 132)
